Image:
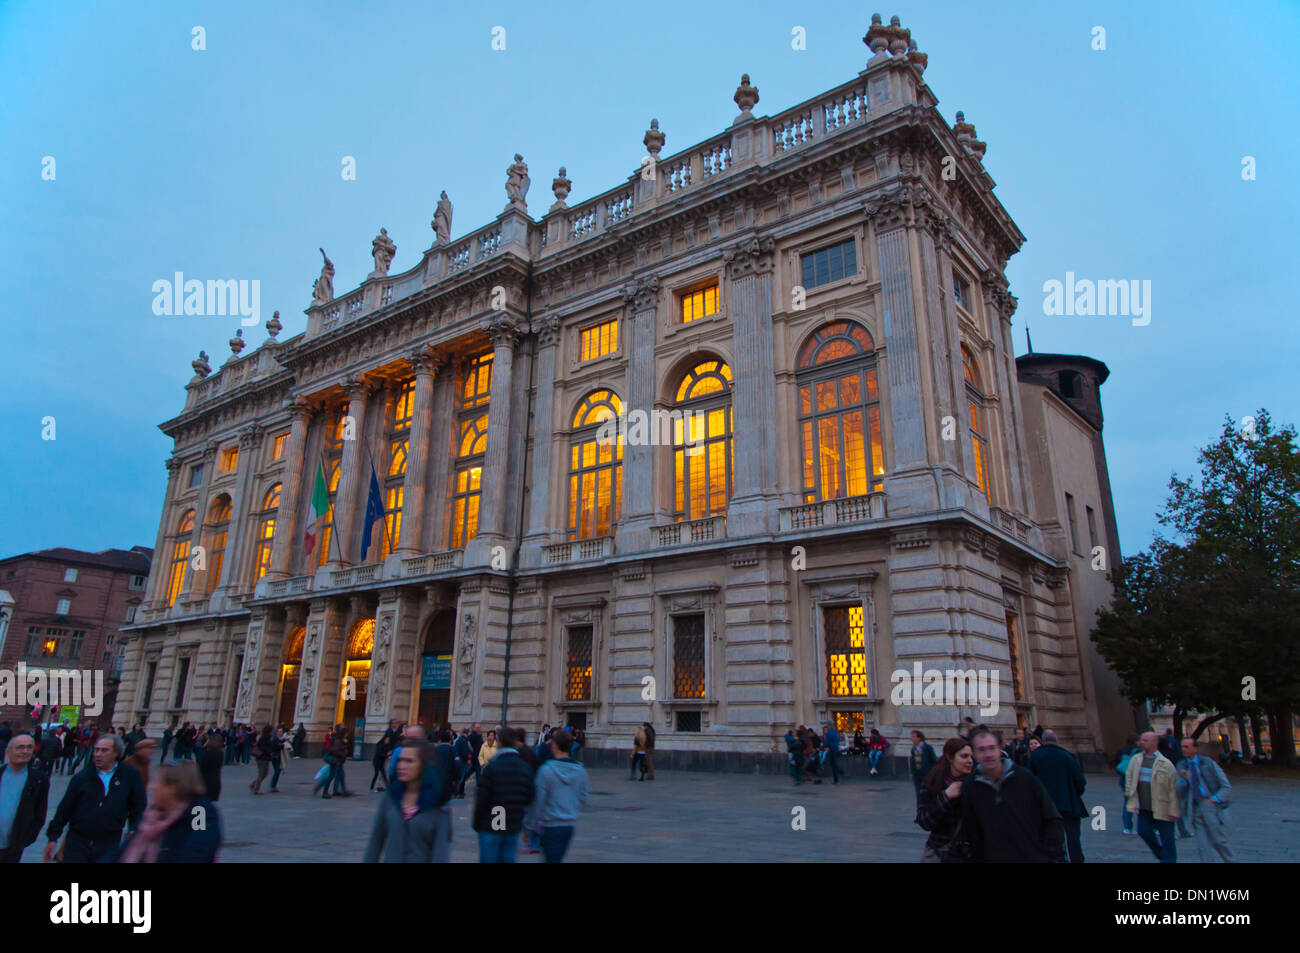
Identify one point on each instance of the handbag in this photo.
(956, 851)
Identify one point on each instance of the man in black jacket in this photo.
(1061, 775)
(503, 793)
(24, 798)
(1006, 811)
(99, 802)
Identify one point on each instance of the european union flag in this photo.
(374, 511)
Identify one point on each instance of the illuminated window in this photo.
(399, 432)
(846, 656)
(700, 302)
(688, 656)
(266, 533)
(471, 447)
(218, 530)
(595, 468)
(1013, 649)
(180, 557)
(825, 265)
(332, 464)
(839, 413)
(229, 459)
(599, 339)
(978, 435)
(702, 449)
(577, 681)
(277, 445)
(847, 722)
(361, 641)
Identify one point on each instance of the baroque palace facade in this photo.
(720, 448)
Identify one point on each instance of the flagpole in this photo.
(375, 475)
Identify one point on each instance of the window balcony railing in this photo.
(580, 550)
(691, 531)
(1009, 523)
(432, 562)
(848, 510)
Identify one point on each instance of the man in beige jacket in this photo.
(1151, 786)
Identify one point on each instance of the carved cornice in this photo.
(887, 212)
(642, 294)
(547, 329)
(750, 256)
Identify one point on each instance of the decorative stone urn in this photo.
(201, 366)
(273, 326)
(877, 38)
(237, 342)
(561, 186)
(899, 38)
(746, 97)
(654, 139)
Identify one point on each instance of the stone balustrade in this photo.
(852, 509)
(580, 550)
(691, 531)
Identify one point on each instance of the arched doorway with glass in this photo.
(355, 681)
(433, 690)
(290, 669)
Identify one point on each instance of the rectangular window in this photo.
(846, 656)
(847, 722)
(829, 264)
(33, 640)
(74, 645)
(577, 679)
(182, 678)
(146, 696)
(1013, 651)
(1074, 529)
(64, 607)
(234, 682)
(277, 445)
(700, 303)
(960, 291)
(599, 340)
(137, 582)
(229, 459)
(130, 617)
(688, 721)
(1092, 528)
(196, 475)
(688, 656)
(69, 575)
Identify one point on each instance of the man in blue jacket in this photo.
(561, 792)
(1061, 775)
(1205, 791)
(100, 800)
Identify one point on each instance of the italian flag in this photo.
(320, 502)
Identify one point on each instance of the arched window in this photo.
(978, 434)
(471, 447)
(180, 556)
(361, 640)
(218, 530)
(703, 453)
(266, 532)
(839, 413)
(333, 467)
(595, 468)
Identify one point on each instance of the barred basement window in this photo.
(688, 721)
(577, 680)
(688, 656)
(846, 659)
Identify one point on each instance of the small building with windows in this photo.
(66, 608)
(725, 447)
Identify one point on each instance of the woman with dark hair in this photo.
(170, 832)
(409, 826)
(859, 743)
(210, 764)
(939, 810)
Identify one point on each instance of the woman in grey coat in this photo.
(410, 827)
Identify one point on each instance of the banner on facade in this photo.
(69, 715)
(435, 672)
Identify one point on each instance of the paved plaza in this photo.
(695, 816)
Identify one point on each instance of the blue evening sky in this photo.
(225, 163)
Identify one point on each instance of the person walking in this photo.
(1006, 811)
(501, 798)
(877, 745)
(170, 831)
(168, 736)
(209, 765)
(68, 756)
(638, 754)
(462, 756)
(475, 746)
(1204, 791)
(1061, 775)
(409, 827)
(98, 803)
(487, 751)
(24, 798)
(385, 747)
(260, 750)
(831, 751)
(49, 751)
(142, 759)
(649, 750)
(939, 804)
(87, 735)
(1151, 786)
(1120, 764)
(794, 750)
(560, 793)
(299, 740)
(336, 753)
(921, 763)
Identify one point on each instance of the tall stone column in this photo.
(161, 560)
(1000, 304)
(909, 486)
(352, 482)
(415, 485)
(753, 398)
(291, 491)
(949, 390)
(504, 334)
(638, 503)
(240, 546)
(540, 519)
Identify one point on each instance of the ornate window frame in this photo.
(680, 601)
(578, 610)
(837, 589)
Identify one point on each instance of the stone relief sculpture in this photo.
(378, 689)
(442, 219)
(465, 663)
(382, 249)
(248, 674)
(307, 676)
(323, 291)
(517, 182)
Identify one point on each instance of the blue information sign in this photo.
(435, 672)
